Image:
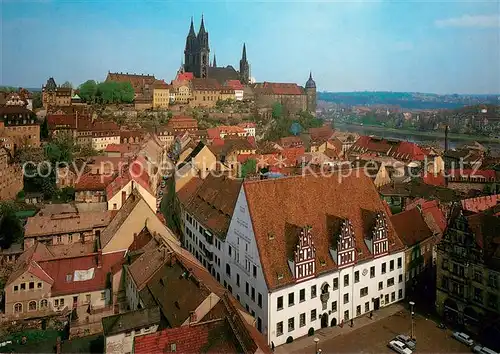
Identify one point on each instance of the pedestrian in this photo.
(352, 323)
(272, 346)
(371, 315)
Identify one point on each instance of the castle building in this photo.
(53, 95)
(197, 59)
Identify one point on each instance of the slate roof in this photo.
(311, 200)
(130, 320)
(223, 74)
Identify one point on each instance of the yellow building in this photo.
(53, 95)
(161, 95)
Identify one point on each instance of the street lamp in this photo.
(316, 341)
(412, 313)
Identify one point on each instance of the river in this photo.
(415, 138)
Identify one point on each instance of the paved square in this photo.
(373, 337)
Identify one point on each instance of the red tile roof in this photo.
(184, 76)
(187, 340)
(93, 182)
(457, 173)
(59, 269)
(247, 125)
(411, 227)
(401, 150)
(283, 88)
(321, 134)
(480, 204)
(414, 151)
(234, 84)
(434, 179)
(297, 199)
(430, 208)
(290, 141)
(292, 155)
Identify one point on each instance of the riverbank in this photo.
(419, 134)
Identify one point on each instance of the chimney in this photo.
(99, 258)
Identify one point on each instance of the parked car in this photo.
(161, 192)
(163, 184)
(464, 338)
(409, 342)
(483, 350)
(399, 347)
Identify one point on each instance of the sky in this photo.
(350, 45)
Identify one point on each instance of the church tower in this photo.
(244, 67)
(310, 89)
(190, 49)
(203, 52)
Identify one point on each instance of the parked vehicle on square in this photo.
(399, 347)
(483, 350)
(464, 338)
(409, 342)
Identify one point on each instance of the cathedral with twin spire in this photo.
(197, 59)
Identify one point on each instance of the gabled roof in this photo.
(120, 218)
(275, 88)
(411, 227)
(213, 202)
(205, 85)
(93, 182)
(297, 199)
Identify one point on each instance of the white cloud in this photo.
(469, 21)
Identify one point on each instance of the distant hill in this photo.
(407, 100)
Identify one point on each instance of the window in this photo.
(43, 304)
(313, 291)
(386, 298)
(380, 285)
(302, 320)
(279, 328)
(313, 315)
(68, 278)
(400, 278)
(87, 298)
(363, 291)
(253, 294)
(346, 280)
(173, 347)
(367, 306)
(18, 308)
(259, 300)
(383, 268)
(346, 315)
(335, 283)
(280, 303)
(229, 250)
(23, 286)
(393, 296)
(372, 272)
(32, 306)
(390, 282)
(290, 299)
(400, 294)
(255, 271)
(247, 288)
(291, 324)
(237, 279)
(356, 276)
(346, 298)
(302, 295)
(358, 310)
(228, 270)
(334, 306)
(16, 288)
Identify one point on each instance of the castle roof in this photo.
(310, 83)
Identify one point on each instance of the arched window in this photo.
(18, 308)
(43, 304)
(32, 306)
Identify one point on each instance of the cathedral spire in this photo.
(214, 62)
(244, 55)
(202, 26)
(191, 29)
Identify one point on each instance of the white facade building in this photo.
(299, 252)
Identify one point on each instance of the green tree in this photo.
(44, 130)
(88, 91)
(37, 100)
(247, 168)
(127, 92)
(11, 229)
(67, 84)
(277, 110)
(8, 89)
